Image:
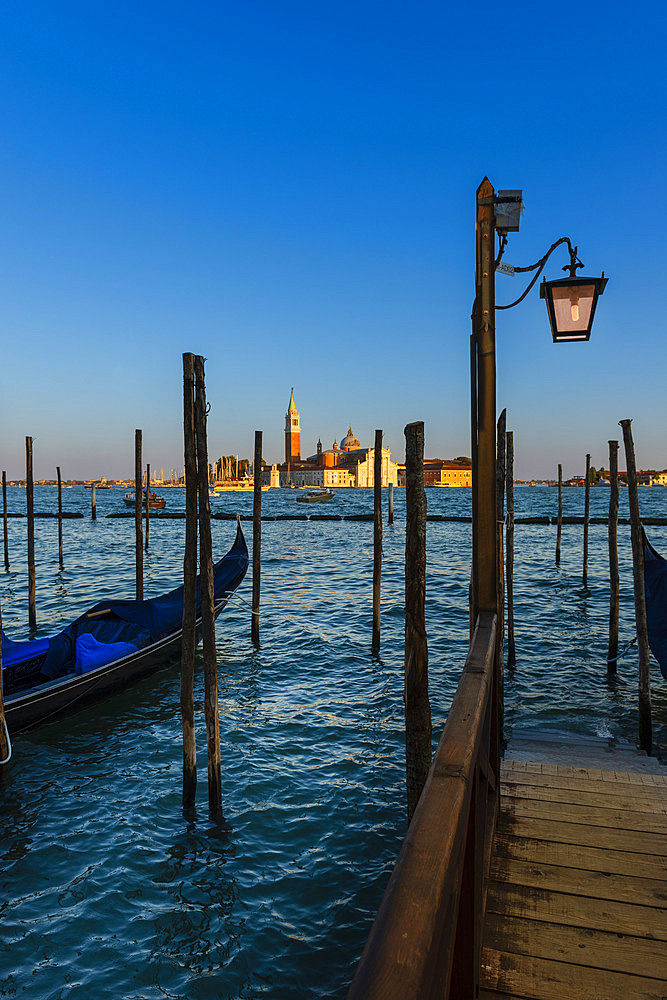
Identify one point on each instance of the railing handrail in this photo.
(409, 951)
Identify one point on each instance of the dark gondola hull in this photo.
(76, 690)
(44, 701)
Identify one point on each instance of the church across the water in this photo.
(344, 464)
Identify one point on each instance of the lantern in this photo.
(571, 306)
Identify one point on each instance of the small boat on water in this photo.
(104, 649)
(155, 502)
(316, 496)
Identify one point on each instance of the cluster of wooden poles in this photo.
(637, 539)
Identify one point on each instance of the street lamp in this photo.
(571, 304)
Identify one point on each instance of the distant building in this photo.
(443, 472)
(346, 465)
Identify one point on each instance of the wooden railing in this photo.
(426, 939)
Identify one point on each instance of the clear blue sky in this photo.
(288, 189)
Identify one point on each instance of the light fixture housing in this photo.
(571, 306)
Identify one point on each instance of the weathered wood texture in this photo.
(587, 507)
(377, 540)
(256, 539)
(501, 473)
(60, 518)
(207, 597)
(426, 937)
(93, 503)
(636, 534)
(415, 693)
(189, 586)
(138, 530)
(612, 651)
(509, 544)
(577, 898)
(4, 518)
(30, 513)
(148, 508)
(559, 528)
(484, 469)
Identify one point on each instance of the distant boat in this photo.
(316, 496)
(155, 502)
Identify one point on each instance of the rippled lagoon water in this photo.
(107, 890)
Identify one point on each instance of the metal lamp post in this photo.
(571, 304)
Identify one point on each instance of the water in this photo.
(107, 890)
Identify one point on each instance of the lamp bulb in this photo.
(575, 312)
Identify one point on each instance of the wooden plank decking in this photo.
(577, 896)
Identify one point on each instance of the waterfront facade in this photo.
(347, 464)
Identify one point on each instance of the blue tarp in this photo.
(109, 623)
(655, 589)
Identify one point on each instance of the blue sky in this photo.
(288, 189)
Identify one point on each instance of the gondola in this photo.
(655, 592)
(108, 647)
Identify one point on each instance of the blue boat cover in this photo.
(112, 629)
(655, 589)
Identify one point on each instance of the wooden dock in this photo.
(577, 893)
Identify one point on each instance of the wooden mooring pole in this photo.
(612, 652)
(93, 503)
(377, 540)
(30, 510)
(587, 505)
(501, 467)
(4, 518)
(645, 724)
(559, 527)
(4, 745)
(390, 505)
(148, 493)
(207, 597)
(256, 538)
(138, 540)
(417, 706)
(60, 517)
(509, 542)
(189, 586)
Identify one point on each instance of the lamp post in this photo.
(571, 306)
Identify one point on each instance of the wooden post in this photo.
(207, 597)
(509, 544)
(390, 514)
(4, 518)
(60, 518)
(587, 503)
(559, 528)
(415, 694)
(256, 538)
(189, 586)
(645, 725)
(93, 503)
(148, 493)
(138, 540)
(32, 605)
(4, 747)
(612, 653)
(377, 540)
(501, 463)
(484, 470)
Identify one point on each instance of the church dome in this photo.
(350, 442)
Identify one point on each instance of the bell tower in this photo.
(292, 433)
